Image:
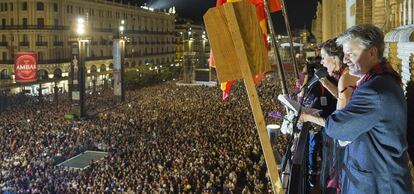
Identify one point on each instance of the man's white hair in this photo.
(368, 35)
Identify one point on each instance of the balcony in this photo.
(34, 27)
(103, 30)
(53, 61)
(92, 58)
(70, 43)
(41, 44)
(6, 61)
(24, 44)
(58, 43)
(160, 53)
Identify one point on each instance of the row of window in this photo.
(40, 6)
(42, 42)
(41, 23)
(109, 14)
(42, 38)
(3, 7)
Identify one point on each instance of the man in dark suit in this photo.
(373, 125)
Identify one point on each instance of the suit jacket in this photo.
(375, 120)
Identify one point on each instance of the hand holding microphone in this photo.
(320, 73)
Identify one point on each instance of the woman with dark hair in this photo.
(332, 56)
(332, 59)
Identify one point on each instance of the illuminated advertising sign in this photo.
(25, 67)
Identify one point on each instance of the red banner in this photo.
(25, 67)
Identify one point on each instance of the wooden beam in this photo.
(236, 14)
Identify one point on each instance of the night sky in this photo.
(301, 12)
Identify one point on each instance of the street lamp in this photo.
(118, 54)
(121, 29)
(78, 68)
(94, 83)
(80, 26)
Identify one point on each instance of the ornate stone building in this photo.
(192, 38)
(394, 17)
(317, 23)
(192, 49)
(330, 19)
(46, 27)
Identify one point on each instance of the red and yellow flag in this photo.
(274, 6)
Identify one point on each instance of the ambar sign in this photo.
(25, 67)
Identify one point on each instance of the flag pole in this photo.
(281, 70)
(292, 52)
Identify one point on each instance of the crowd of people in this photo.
(164, 139)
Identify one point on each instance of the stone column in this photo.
(359, 11)
(410, 12)
(317, 24)
(328, 25)
(379, 13)
(341, 19)
(367, 6)
(394, 15)
(401, 15)
(404, 12)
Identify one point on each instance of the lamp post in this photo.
(78, 69)
(3, 98)
(39, 91)
(56, 93)
(94, 83)
(118, 53)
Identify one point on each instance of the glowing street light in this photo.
(121, 28)
(80, 26)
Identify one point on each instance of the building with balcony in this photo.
(46, 28)
(192, 37)
(394, 17)
(192, 47)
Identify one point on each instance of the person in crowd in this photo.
(166, 139)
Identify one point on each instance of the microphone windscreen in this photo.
(322, 72)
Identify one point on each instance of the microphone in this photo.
(320, 73)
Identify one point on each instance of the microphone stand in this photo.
(288, 153)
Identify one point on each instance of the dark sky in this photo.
(300, 12)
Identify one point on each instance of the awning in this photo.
(400, 34)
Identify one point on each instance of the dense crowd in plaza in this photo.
(164, 139)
